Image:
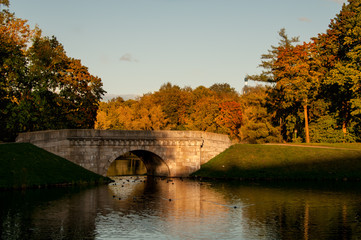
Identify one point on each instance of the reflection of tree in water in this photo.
(289, 212)
(127, 164)
(61, 213)
(177, 207)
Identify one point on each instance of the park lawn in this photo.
(23, 165)
(356, 146)
(287, 162)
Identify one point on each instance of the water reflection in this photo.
(47, 214)
(140, 207)
(127, 164)
(293, 211)
(171, 208)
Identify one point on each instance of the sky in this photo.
(135, 46)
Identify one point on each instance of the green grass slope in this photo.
(267, 162)
(25, 165)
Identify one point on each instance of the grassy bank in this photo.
(24, 165)
(272, 162)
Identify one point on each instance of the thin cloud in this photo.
(304, 19)
(128, 58)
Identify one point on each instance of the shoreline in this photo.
(284, 162)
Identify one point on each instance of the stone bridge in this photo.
(164, 153)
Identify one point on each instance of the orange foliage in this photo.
(15, 30)
(231, 117)
(177, 109)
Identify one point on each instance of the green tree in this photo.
(341, 48)
(40, 86)
(15, 33)
(67, 95)
(257, 125)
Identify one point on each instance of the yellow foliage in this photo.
(16, 31)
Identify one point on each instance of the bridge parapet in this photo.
(181, 152)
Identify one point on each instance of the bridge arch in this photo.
(179, 153)
(154, 163)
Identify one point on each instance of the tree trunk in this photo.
(344, 128)
(345, 109)
(306, 123)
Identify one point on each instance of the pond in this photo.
(139, 207)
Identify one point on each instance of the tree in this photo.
(64, 82)
(270, 58)
(257, 125)
(230, 116)
(277, 105)
(204, 114)
(172, 107)
(341, 48)
(148, 115)
(297, 75)
(175, 103)
(6, 3)
(224, 91)
(40, 86)
(15, 33)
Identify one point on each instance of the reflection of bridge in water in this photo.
(164, 153)
(126, 165)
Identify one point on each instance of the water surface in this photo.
(142, 208)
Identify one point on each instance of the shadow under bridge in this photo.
(164, 153)
(138, 162)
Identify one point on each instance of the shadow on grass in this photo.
(342, 169)
(23, 165)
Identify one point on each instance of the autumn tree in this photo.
(5, 3)
(230, 116)
(297, 75)
(224, 91)
(204, 114)
(277, 105)
(40, 86)
(175, 103)
(268, 59)
(63, 92)
(15, 33)
(149, 115)
(176, 108)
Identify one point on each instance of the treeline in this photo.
(313, 94)
(316, 86)
(40, 86)
(218, 109)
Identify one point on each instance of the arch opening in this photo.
(125, 165)
(138, 162)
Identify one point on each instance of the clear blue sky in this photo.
(135, 46)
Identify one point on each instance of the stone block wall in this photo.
(181, 152)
